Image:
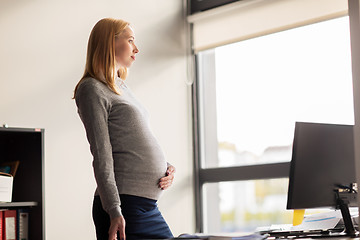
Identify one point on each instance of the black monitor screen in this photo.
(323, 157)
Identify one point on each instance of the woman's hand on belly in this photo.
(165, 182)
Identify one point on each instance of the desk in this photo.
(270, 238)
(257, 236)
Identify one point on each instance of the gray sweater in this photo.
(127, 158)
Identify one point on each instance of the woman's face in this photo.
(125, 48)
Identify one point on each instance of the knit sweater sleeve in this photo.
(93, 108)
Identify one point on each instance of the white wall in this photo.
(42, 56)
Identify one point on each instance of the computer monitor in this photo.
(322, 164)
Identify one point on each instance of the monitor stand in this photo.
(345, 196)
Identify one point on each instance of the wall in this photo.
(42, 56)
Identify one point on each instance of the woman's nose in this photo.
(136, 50)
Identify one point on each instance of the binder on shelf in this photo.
(1, 224)
(22, 227)
(9, 221)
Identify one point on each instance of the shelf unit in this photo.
(27, 146)
(17, 204)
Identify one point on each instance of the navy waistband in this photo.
(131, 201)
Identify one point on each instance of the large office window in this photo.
(249, 96)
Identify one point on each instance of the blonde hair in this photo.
(100, 57)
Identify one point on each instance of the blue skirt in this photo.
(143, 220)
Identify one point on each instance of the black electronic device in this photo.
(322, 169)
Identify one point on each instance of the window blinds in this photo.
(252, 18)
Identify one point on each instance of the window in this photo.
(242, 206)
(249, 96)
